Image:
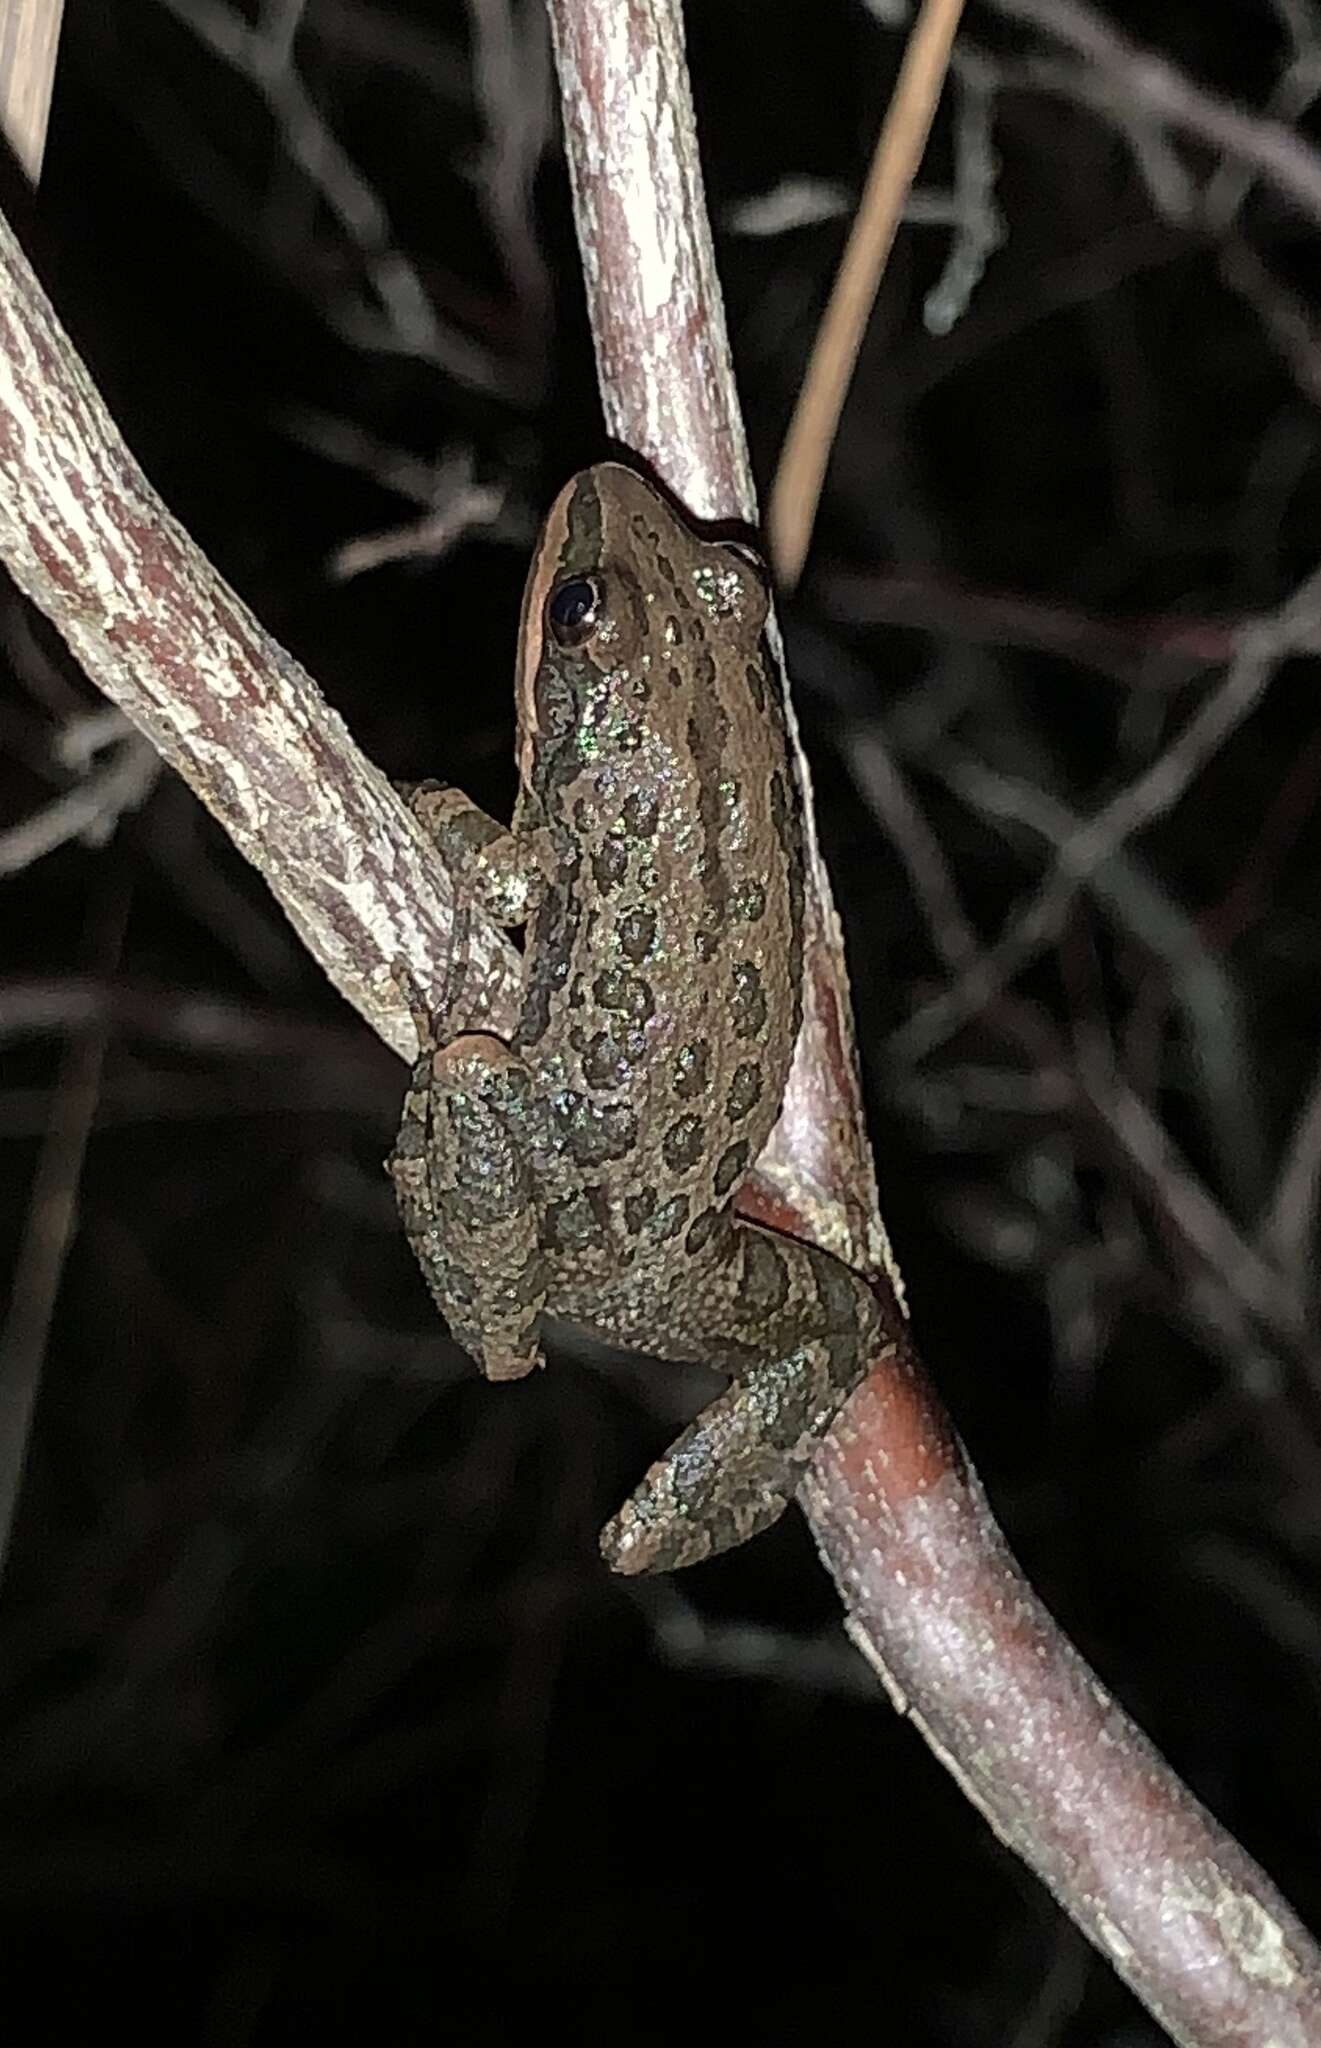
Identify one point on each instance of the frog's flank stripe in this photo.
(585, 527)
(547, 961)
(708, 733)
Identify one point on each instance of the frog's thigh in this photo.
(814, 1328)
(462, 1168)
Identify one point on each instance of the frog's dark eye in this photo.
(573, 610)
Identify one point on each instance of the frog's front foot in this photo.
(733, 1471)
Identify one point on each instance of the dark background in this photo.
(317, 1709)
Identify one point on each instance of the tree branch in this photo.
(155, 627)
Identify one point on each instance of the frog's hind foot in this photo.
(733, 1471)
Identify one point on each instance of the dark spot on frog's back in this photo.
(731, 1166)
(784, 818)
(692, 1069)
(628, 993)
(645, 529)
(595, 1133)
(546, 968)
(681, 1146)
(757, 684)
(612, 1134)
(747, 1002)
(744, 1091)
(636, 932)
(836, 1290)
(609, 864)
(605, 1060)
(670, 1218)
(749, 902)
(708, 735)
(639, 1209)
(765, 1276)
(580, 1221)
(641, 814)
(702, 1229)
(704, 670)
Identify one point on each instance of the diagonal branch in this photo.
(155, 627)
(1150, 796)
(1135, 83)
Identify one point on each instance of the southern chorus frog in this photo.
(587, 1167)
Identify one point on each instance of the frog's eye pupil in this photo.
(574, 609)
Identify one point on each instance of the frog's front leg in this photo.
(463, 1175)
(797, 1330)
(462, 1163)
(498, 871)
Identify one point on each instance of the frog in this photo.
(586, 1167)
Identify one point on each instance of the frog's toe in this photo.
(734, 1470)
(512, 1360)
(495, 1314)
(687, 1508)
(649, 1535)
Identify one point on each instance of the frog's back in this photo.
(662, 998)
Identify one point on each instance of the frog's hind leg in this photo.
(462, 1169)
(798, 1330)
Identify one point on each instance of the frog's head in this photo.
(617, 581)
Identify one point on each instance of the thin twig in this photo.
(1289, 1230)
(90, 810)
(1150, 796)
(1196, 974)
(49, 1230)
(791, 512)
(404, 320)
(1127, 81)
(29, 46)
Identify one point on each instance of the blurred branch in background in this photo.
(791, 508)
(29, 46)
(328, 224)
